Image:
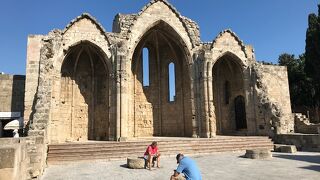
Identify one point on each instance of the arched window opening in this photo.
(226, 92)
(172, 82)
(145, 67)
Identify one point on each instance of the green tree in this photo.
(299, 84)
(312, 58)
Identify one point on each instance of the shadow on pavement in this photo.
(306, 158)
(124, 166)
(312, 167)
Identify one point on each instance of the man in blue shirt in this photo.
(188, 167)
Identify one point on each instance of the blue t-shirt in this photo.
(189, 168)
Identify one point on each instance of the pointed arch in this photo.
(233, 57)
(151, 104)
(63, 55)
(90, 18)
(228, 42)
(83, 93)
(85, 28)
(227, 84)
(151, 16)
(168, 29)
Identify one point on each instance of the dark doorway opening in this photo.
(240, 113)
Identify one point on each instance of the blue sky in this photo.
(271, 26)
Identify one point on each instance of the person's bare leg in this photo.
(158, 160)
(150, 161)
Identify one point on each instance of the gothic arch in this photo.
(233, 57)
(227, 42)
(63, 53)
(168, 15)
(85, 28)
(155, 115)
(227, 82)
(82, 92)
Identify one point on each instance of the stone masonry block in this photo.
(135, 163)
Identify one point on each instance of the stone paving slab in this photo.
(219, 166)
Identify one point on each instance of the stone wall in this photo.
(13, 158)
(12, 93)
(273, 107)
(303, 142)
(32, 72)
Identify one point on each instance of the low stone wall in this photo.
(303, 142)
(302, 125)
(308, 129)
(13, 158)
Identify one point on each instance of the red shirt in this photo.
(151, 150)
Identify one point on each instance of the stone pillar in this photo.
(250, 105)
(196, 112)
(118, 100)
(123, 99)
(204, 99)
(32, 72)
(122, 94)
(211, 109)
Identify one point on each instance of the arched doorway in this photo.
(228, 91)
(84, 94)
(162, 95)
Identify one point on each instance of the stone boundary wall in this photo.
(13, 158)
(303, 142)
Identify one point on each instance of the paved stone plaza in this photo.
(220, 166)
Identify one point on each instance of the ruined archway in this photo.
(228, 84)
(157, 114)
(84, 94)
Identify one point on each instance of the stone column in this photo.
(204, 100)
(196, 114)
(123, 99)
(250, 105)
(118, 100)
(210, 105)
(122, 94)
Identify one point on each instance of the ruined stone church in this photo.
(150, 76)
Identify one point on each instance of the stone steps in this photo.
(160, 143)
(60, 160)
(143, 147)
(66, 153)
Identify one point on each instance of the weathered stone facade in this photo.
(83, 83)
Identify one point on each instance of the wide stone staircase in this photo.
(111, 150)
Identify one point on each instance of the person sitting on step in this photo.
(152, 154)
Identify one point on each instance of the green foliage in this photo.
(299, 84)
(312, 55)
